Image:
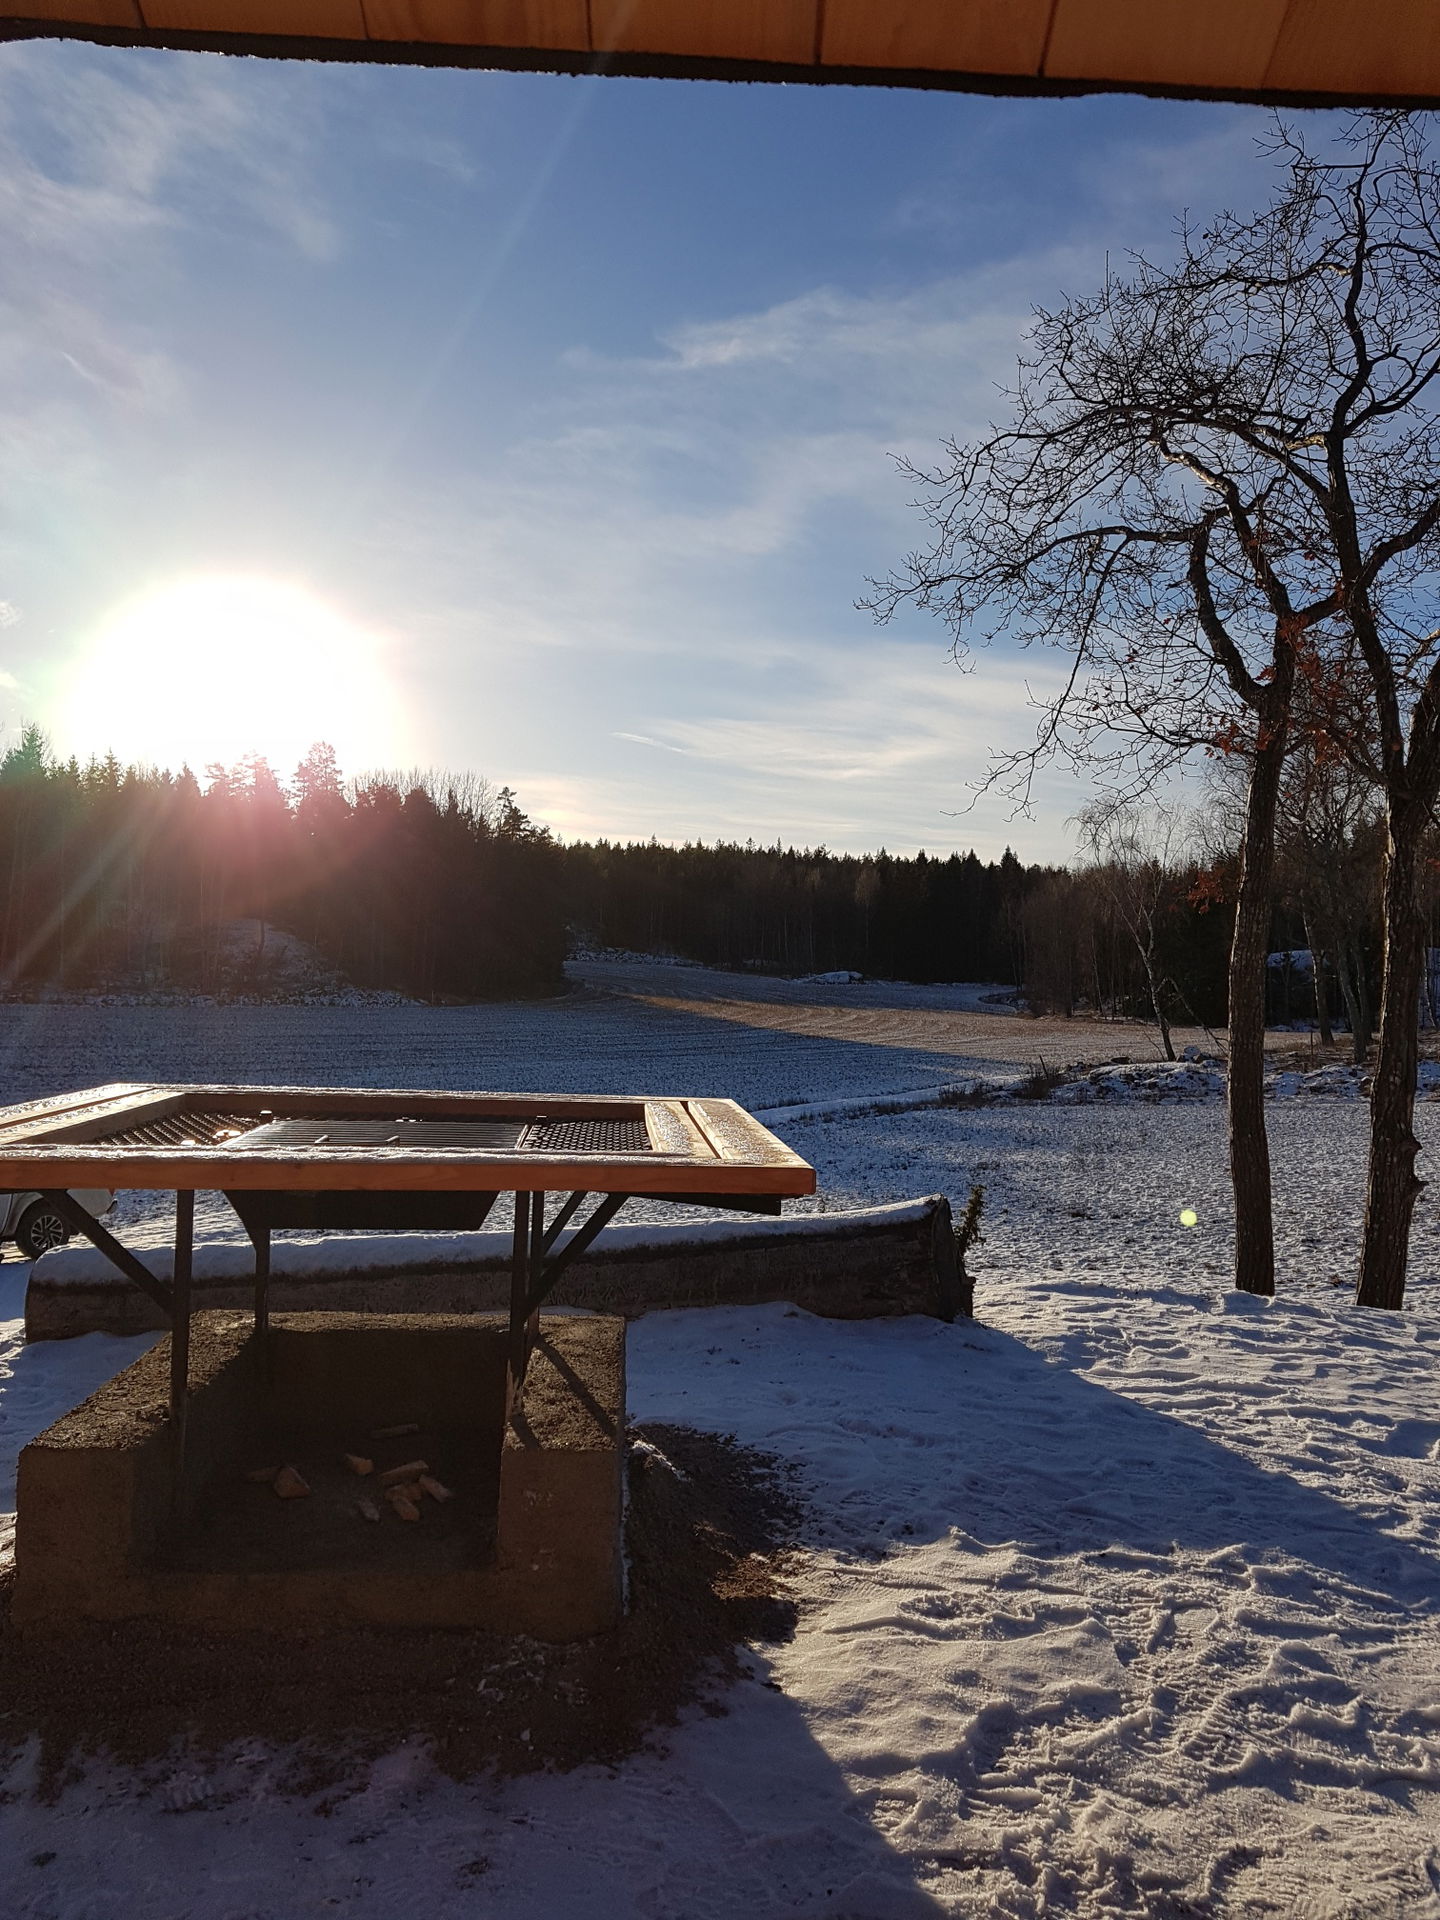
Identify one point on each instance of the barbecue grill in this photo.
(338, 1158)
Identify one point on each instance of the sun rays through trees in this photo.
(119, 875)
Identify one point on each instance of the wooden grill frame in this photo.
(698, 1144)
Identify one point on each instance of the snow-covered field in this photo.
(1122, 1599)
(624, 1028)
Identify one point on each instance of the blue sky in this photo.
(532, 426)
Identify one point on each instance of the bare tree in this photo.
(1133, 516)
(1330, 858)
(1219, 489)
(1133, 852)
(1361, 449)
(1368, 230)
(1329, 851)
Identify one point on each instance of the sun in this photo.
(218, 666)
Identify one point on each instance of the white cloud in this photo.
(823, 329)
(1216, 165)
(644, 482)
(1124, 170)
(682, 533)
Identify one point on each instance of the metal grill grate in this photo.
(411, 1136)
(246, 1130)
(181, 1130)
(585, 1136)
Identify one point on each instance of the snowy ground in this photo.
(623, 1028)
(1120, 1600)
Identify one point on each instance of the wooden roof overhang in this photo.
(1297, 52)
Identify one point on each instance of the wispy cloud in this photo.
(647, 740)
(164, 142)
(650, 490)
(897, 715)
(440, 153)
(1120, 176)
(104, 173)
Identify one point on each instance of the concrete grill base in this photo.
(530, 1543)
(864, 1263)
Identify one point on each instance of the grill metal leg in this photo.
(519, 1293)
(121, 1258)
(261, 1239)
(180, 1333)
(534, 1289)
(536, 1264)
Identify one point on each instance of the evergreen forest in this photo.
(128, 879)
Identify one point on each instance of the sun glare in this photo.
(213, 668)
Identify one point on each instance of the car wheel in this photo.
(40, 1228)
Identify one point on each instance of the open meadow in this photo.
(1123, 1598)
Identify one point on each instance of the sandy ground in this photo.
(967, 1022)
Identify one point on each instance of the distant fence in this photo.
(865, 1263)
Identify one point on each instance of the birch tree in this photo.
(1133, 855)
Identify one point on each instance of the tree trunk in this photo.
(1249, 1147)
(1350, 966)
(1358, 1038)
(1366, 1030)
(1321, 985)
(1320, 973)
(1393, 1185)
(1157, 1007)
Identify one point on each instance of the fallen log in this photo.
(865, 1263)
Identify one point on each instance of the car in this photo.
(33, 1224)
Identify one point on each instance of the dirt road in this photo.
(968, 1021)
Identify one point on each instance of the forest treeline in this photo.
(1053, 934)
(126, 878)
(787, 910)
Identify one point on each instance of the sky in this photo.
(537, 427)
